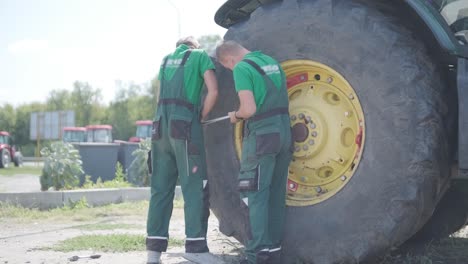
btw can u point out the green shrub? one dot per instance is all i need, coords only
(28, 150)
(79, 204)
(118, 182)
(138, 173)
(62, 167)
(119, 173)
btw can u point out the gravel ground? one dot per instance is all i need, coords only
(20, 240)
(20, 183)
(19, 243)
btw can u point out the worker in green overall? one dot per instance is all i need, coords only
(266, 148)
(178, 148)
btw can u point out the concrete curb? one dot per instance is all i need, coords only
(94, 197)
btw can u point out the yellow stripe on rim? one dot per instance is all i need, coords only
(329, 131)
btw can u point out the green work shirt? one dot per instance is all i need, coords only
(195, 67)
(247, 78)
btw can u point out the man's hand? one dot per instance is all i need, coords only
(232, 116)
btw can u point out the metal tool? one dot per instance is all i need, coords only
(76, 258)
(211, 121)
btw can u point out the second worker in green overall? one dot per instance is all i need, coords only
(178, 148)
(266, 148)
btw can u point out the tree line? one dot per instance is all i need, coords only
(132, 102)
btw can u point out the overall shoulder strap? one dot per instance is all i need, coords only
(164, 67)
(256, 67)
(186, 56)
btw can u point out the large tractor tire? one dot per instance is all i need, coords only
(451, 215)
(18, 159)
(5, 158)
(372, 152)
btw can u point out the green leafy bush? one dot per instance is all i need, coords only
(138, 173)
(62, 167)
(79, 204)
(119, 173)
(118, 182)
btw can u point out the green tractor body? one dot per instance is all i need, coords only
(378, 93)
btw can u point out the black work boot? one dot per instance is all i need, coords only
(263, 257)
(275, 257)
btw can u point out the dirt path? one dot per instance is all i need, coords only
(20, 183)
(20, 243)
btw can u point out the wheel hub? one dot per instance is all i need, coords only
(300, 132)
(328, 128)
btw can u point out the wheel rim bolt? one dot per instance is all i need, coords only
(298, 148)
(329, 80)
(314, 134)
(301, 116)
(313, 126)
(318, 189)
(293, 117)
(343, 178)
(305, 147)
(309, 119)
(311, 142)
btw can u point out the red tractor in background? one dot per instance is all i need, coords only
(143, 130)
(8, 152)
(74, 134)
(99, 133)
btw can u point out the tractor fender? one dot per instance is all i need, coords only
(440, 30)
(234, 11)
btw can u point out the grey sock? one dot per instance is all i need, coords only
(154, 257)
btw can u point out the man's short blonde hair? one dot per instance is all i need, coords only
(189, 41)
(227, 47)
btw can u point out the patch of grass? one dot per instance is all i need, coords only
(78, 211)
(119, 181)
(108, 226)
(107, 243)
(103, 243)
(105, 184)
(12, 170)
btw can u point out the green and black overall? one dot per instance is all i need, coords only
(266, 155)
(177, 152)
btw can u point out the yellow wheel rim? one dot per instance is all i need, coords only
(329, 131)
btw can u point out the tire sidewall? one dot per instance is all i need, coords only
(404, 160)
(5, 158)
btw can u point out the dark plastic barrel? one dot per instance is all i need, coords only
(99, 159)
(125, 156)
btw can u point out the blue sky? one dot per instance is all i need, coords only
(48, 44)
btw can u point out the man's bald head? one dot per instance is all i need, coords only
(189, 41)
(228, 47)
(229, 53)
